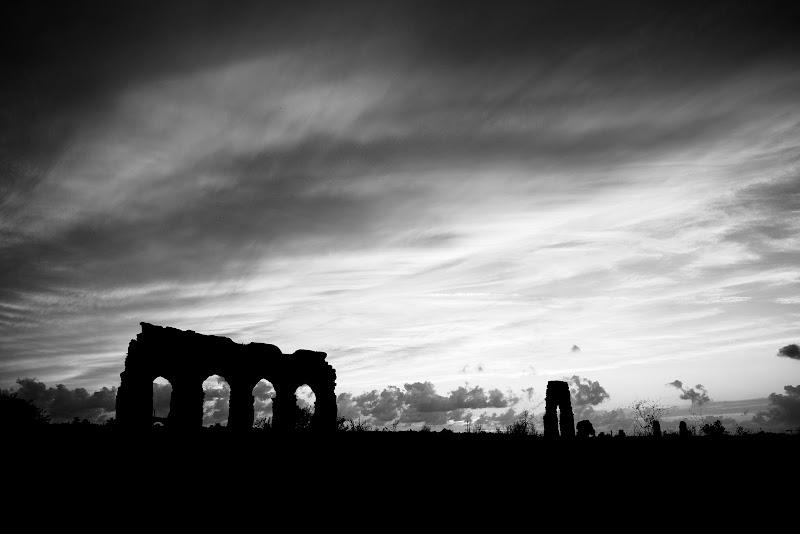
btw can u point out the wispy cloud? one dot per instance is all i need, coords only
(408, 188)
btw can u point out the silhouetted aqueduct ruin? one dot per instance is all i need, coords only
(557, 397)
(187, 359)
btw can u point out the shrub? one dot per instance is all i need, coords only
(645, 413)
(714, 430)
(17, 412)
(523, 425)
(263, 423)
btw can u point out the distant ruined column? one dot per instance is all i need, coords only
(656, 429)
(683, 430)
(557, 397)
(567, 422)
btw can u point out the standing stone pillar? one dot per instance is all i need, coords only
(325, 410)
(284, 409)
(186, 406)
(241, 411)
(550, 421)
(567, 422)
(656, 429)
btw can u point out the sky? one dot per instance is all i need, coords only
(455, 194)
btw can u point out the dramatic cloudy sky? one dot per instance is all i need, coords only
(428, 192)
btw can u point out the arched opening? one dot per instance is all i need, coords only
(558, 414)
(263, 393)
(305, 399)
(216, 398)
(162, 396)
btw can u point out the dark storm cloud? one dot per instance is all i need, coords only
(790, 351)
(64, 404)
(697, 395)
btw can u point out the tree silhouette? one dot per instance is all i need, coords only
(523, 425)
(645, 413)
(714, 430)
(17, 412)
(263, 423)
(585, 429)
(304, 416)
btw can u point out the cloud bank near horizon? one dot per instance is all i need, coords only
(413, 406)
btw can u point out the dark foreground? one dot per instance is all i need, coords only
(309, 477)
(386, 454)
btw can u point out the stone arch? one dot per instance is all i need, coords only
(305, 399)
(186, 358)
(262, 392)
(216, 400)
(305, 396)
(162, 393)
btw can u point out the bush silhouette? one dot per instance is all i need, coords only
(523, 425)
(646, 412)
(585, 429)
(17, 412)
(303, 421)
(263, 423)
(714, 430)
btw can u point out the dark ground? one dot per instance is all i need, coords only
(95, 477)
(408, 472)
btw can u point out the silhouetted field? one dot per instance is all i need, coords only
(367, 478)
(447, 453)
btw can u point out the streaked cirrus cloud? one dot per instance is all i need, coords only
(413, 188)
